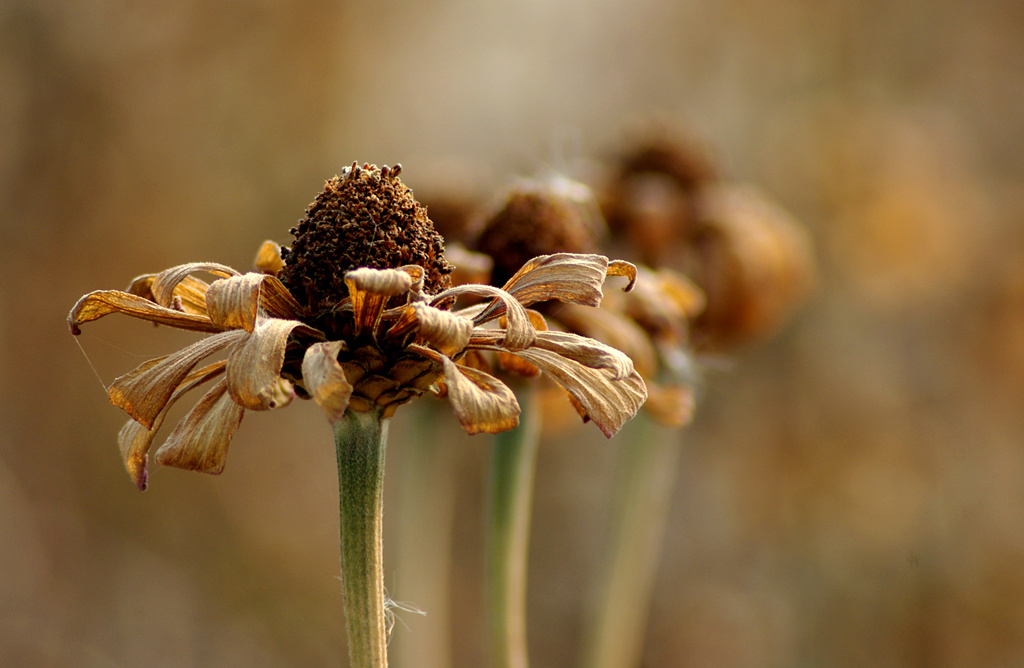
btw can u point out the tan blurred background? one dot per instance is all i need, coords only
(852, 492)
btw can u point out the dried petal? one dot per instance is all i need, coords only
(200, 441)
(617, 331)
(370, 290)
(567, 277)
(254, 367)
(606, 401)
(481, 402)
(165, 283)
(588, 352)
(520, 332)
(623, 268)
(97, 304)
(325, 380)
(188, 296)
(447, 332)
(268, 259)
(134, 439)
(144, 391)
(235, 302)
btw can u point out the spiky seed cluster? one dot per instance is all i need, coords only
(538, 219)
(364, 218)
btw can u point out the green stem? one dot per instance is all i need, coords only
(513, 456)
(615, 633)
(360, 440)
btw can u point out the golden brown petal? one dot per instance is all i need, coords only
(623, 268)
(268, 259)
(189, 295)
(235, 302)
(617, 331)
(200, 441)
(254, 367)
(370, 290)
(588, 352)
(481, 402)
(325, 380)
(608, 402)
(144, 391)
(97, 304)
(165, 283)
(134, 440)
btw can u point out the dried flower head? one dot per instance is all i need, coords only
(754, 263)
(538, 217)
(358, 316)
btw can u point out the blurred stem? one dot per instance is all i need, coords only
(360, 440)
(647, 464)
(426, 507)
(510, 498)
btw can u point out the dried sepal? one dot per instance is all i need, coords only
(144, 391)
(324, 378)
(200, 441)
(481, 402)
(95, 305)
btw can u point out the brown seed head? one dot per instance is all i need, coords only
(364, 218)
(540, 218)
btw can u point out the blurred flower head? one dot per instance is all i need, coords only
(358, 315)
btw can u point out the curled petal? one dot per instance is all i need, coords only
(268, 259)
(254, 367)
(519, 333)
(623, 268)
(200, 441)
(610, 403)
(446, 331)
(325, 379)
(97, 304)
(165, 283)
(144, 391)
(568, 277)
(586, 351)
(188, 296)
(235, 302)
(481, 402)
(370, 290)
(617, 331)
(134, 439)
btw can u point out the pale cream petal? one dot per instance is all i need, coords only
(370, 290)
(135, 440)
(254, 366)
(200, 441)
(482, 403)
(235, 303)
(268, 259)
(97, 304)
(586, 351)
(144, 391)
(608, 402)
(166, 281)
(519, 333)
(325, 380)
(568, 277)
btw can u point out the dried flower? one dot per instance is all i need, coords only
(358, 315)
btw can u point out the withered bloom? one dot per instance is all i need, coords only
(650, 324)
(358, 315)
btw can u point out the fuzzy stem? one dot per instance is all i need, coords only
(513, 456)
(360, 440)
(615, 633)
